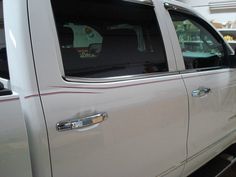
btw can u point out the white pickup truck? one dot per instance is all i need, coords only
(112, 88)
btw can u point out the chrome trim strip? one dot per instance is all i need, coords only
(143, 2)
(203, 69)
(146, 76)
(113, 87)
(118, 78)
(203, 73)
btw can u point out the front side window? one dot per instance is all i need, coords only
(200, 48)
(107, 38)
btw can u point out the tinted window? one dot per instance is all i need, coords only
(4, 73)
(200, 48)
(108, 38)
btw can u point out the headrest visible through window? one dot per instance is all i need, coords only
(66, 37)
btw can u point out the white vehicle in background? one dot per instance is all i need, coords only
(125, 88)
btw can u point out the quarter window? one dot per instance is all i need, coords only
(200, 48)
(101, 39)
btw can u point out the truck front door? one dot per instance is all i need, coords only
(211, 87)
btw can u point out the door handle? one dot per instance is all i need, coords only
(200, 92)
(81, 122)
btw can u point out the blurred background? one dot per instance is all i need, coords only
(221, 13)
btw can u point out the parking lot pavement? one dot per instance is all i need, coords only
(223, 165)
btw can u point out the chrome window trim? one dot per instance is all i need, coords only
(119, 78)
(144, 2)
(217, 68)
(140, 76)
(174, 7)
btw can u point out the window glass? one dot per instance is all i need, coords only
(108, 38)
(199, 47)
(4, 73)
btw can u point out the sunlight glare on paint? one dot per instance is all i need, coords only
(12, 38)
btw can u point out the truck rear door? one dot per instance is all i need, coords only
(113, 101)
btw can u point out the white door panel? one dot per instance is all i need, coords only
(212, 117)
(14, 149)
(144, 134)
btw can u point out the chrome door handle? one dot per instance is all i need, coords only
(81, 122)
(200, 92)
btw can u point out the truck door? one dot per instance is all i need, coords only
(211, 88)
(114, 104)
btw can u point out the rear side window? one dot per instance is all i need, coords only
(108, 38)
(4, 73)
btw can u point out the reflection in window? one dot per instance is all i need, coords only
(199, 47)
(108, 38)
